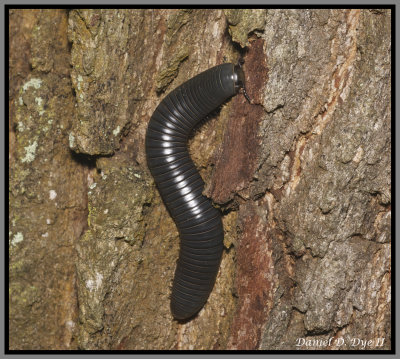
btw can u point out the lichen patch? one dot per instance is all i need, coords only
(35, 83)
(18, 237)
(30, 152)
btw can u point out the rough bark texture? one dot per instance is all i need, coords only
(48, 196)
(302, 175)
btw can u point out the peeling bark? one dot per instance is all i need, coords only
(302, 176)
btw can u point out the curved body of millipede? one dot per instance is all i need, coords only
(181, 186)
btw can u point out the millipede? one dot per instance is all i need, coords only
(180, 185)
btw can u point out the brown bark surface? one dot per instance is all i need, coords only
(301, 174)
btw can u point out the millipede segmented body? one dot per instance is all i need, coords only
(181, 186)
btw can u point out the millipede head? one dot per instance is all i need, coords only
(239, 80)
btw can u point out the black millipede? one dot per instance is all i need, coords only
(180, 184)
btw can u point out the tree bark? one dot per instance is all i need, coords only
(302, 176)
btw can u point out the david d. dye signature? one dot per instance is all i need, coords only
(356, 343)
